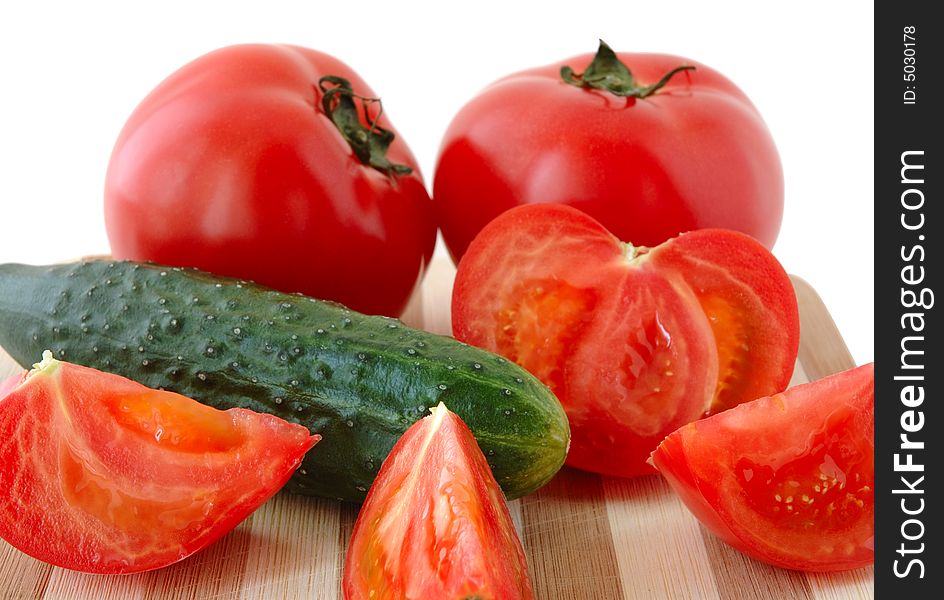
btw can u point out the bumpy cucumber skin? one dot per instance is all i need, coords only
(360, 381)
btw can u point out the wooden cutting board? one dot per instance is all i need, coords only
(586, 537)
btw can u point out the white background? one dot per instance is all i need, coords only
(71, 73)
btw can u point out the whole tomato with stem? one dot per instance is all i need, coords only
(650, 145)
(272, 163)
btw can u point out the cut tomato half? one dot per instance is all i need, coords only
(634, 341)
(435, 523)
(101, 474)
(787, 479)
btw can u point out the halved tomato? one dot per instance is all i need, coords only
(101, 474)
(435, 523)
(787, 479)
(635, 342)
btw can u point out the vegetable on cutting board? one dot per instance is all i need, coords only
(104, 475)
(634, 341)
(650, 145)
(435, 523)
(273, 163)
(359, 381)
(788, 479)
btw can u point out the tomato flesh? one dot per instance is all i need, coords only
(643, 368)
(537, 324)
(787, 479)
(435, 523)
(750, 305)
(103, 475)
(635, 342)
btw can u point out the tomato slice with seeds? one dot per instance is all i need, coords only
(750, 304)
(634, 341)
(787, 479)
(435, 523)
(101, 474)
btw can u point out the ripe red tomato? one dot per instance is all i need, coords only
(101, 474)
(647, 163)
(435, 523)
(235, 165)
(634, 341)
(787, 479)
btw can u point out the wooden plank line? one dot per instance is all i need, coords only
(349, 514)
(212, 574)
(108, 588)
(658, 546)
(822, 349)
(431, 307)
(567, 539)
(20, 575)
(294, 552)
(517, 519)
(741, 578)
(842, 586)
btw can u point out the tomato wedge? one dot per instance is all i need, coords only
(435, 523)
(635, 342)
(101, 474)
(787, 479)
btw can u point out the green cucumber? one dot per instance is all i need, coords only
(359, 381)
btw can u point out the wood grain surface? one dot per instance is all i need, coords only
(586, 537)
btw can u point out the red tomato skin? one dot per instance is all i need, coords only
(435, 523)
(230, 165)
(696, 461)
(81, 491)
(696, 154)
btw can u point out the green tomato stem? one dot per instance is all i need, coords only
(369, 144)
(608, 73)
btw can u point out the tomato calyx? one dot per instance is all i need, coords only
(608, 73)
(369, 144)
